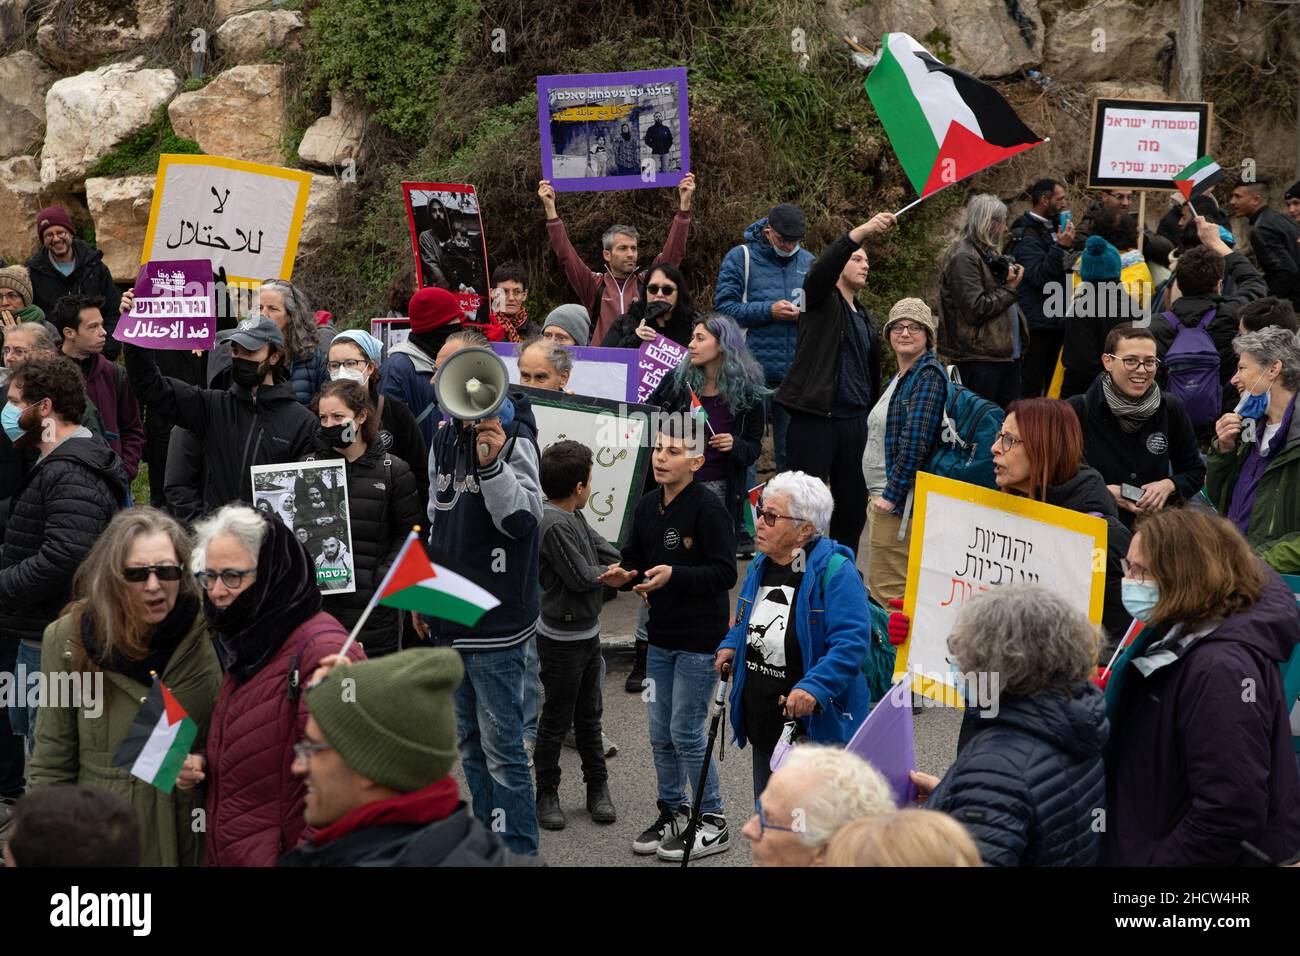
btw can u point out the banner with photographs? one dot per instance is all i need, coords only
(311, 498)
(447, 237)
(614, 130)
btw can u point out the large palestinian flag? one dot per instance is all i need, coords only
(158, 740)
(943, 123)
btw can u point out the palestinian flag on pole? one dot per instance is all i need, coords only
(943, 123)
(414, 583)
(751, 513)
(158, 740)
(697, 409)
(1199, 177)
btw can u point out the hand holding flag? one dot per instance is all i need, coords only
(158, 741)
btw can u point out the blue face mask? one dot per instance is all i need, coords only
(1139, 597)
(9, 419)
(786, 255)
(1252, 405)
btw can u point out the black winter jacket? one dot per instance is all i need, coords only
(1164, 447)
(1029, 778)
(1093, 310)
(55, 517)
(813, 382)
(1034, 246)
(460, 840)
(1087, 493)
(402, 436)
(383, 506)
(237, 428)
(90, 277)
(622, 334)
(1273, 236)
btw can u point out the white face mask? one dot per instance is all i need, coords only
(351, 375)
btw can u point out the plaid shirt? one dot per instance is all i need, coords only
(912, 426)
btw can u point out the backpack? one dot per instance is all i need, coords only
(878, 665)
(970, 425)
(1192, 366)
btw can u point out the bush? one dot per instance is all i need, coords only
(138, 154)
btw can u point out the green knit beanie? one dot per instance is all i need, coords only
(394, 724)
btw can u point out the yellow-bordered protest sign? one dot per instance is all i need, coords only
(245, 217)
(967, 539)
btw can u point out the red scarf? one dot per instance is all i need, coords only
(512, 326)
(435, 802)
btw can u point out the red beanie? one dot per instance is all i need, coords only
(433, 308)
(50, 217)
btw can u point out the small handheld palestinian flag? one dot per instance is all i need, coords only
(1200, 177)
(751, 513)
(158, 740)
(697, 410)
(943, 123)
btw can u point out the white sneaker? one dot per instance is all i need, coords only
(669, 825)
(711, 837)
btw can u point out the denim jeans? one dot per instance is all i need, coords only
(642, 621)
(571, 675)
(489, 716)
(23, 719)
(681, 688)
(12, 757)
(532, 690)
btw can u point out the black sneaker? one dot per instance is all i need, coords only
(670, 824)
(712, 836)
(549, 814)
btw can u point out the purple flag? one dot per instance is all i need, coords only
(885, 741)
(655, 360)
(173, 307)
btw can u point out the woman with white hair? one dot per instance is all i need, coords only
(1253, 473)
(1028, 781)
(817, 792)
(802, 628)
(261, 603)
(982, 329)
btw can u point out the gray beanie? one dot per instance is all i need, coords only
(572, 319)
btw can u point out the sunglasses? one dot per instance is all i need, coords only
(231, 577)
(140, 574)
(655, 289)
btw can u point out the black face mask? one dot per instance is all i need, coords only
(246, 372)
(338, 436)
(627, 135)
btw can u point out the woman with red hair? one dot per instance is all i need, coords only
(1039, 454)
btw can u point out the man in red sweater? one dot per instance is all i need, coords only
(607, 294)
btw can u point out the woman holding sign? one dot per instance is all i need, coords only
(665, 308)
(382, 507)
(1039, 454)
(135, 614)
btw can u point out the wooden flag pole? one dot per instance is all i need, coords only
(1142, 217)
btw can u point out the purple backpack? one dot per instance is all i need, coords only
(1192, 363)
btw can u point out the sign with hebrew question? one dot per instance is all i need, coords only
(1140, 144)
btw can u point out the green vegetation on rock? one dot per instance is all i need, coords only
(138, 153)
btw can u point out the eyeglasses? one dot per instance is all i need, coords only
(1133, 570)
(655, 288)
(10, 296)
(230, 577)
(1119, 197)
(510, 293)
(303, 749)
(763, 825)
(139, 574)
(17, 351)
(909, 327)
(1131, 362)
(1007, 440)
(351, 365)
(770, 517)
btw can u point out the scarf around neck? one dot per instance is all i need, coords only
(1131, 413)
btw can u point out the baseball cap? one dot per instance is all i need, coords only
(256, 331)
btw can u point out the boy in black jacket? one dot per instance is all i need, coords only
(682, 535)
(572, 559)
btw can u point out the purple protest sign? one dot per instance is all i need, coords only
(614, 130)
(885, 741)
(173, 306)
(655, 360)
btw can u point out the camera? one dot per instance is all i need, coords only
(1000, 266)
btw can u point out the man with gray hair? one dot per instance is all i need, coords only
(607, 294)
(816, 791)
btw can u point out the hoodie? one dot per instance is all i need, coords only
(771, 279)
(1201, 761)
(1029, 779)
(1087, 493)
(57, 513)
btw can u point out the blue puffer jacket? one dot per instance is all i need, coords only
(1028, 781)
(771, 279)
(834, 635)
(406, 377)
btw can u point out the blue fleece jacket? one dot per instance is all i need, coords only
(771, 278)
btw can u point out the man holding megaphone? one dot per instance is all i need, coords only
(485, 506)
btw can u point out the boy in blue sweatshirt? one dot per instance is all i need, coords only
(680, 557)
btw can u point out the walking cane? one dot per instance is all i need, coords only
(720, 706)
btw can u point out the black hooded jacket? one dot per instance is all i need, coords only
(1029, 778)
(55, 516)
(90, 277)
(238, 429)
(622, 334)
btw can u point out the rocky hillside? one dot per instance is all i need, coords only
(368, 94)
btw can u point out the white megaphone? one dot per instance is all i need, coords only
(472, 385)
